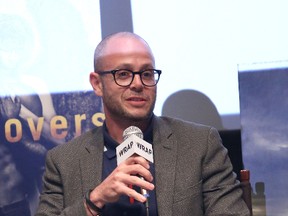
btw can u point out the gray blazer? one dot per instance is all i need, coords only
(193, 173)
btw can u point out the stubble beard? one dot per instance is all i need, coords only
(117, 111)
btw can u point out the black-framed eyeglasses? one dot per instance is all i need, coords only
(124, 77)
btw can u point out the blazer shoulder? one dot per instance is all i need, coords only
(180, 124)
(180, 129)
(79, 143)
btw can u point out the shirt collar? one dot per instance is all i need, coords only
(110, 143)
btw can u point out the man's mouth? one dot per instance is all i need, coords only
(136, 99)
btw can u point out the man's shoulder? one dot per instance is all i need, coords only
(184, 129)
(79, 143)
(180, 123)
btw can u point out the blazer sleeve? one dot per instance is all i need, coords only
(222, 194)
(52, 196)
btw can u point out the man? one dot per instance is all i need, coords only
(191, 174)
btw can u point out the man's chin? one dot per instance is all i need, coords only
(139, 117)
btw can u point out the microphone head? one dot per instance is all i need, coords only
(132, 130)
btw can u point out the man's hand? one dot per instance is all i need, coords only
(9, 108)
(117, 183)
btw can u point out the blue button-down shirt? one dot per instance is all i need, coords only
(123, 205)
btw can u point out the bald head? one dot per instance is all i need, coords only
(119, 43)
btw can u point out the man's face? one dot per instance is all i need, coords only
(135, 102)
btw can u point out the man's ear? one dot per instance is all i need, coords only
(96, 83)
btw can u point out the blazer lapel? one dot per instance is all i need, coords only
(91, 161)
(165, 149)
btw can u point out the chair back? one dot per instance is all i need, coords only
(246, 187)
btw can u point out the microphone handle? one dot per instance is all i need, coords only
(145, 193)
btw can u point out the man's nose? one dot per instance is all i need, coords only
(136, 83)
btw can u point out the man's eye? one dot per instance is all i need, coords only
(147, 74)
(123, 74)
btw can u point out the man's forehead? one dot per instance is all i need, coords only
(126, 45)
(113, 59)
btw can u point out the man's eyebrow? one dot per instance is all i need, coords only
(125, 66)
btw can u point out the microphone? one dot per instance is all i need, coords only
(134, 144)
